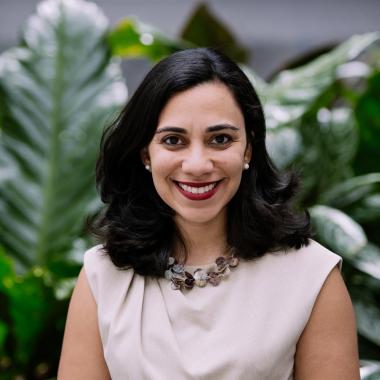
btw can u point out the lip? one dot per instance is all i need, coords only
(198, 197)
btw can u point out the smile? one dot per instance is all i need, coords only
(197, 191)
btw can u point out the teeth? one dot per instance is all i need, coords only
(197, 190)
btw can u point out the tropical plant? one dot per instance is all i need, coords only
(59, 88)
(132, 38)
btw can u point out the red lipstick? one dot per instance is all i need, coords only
(198, 197)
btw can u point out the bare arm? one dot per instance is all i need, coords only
(327, 348)
(82, 353)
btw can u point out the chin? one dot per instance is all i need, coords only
(200, 216)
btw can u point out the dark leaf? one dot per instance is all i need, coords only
(204, 29)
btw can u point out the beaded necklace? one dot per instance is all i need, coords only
(182, 279)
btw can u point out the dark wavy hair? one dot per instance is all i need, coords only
(136, 227)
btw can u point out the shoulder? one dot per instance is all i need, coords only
(82, 354)
(102, 275)
(294, 277)
(330, 335)
(317, 252)
(94, 256)
(314, 256)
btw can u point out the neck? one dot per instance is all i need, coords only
(204, 242)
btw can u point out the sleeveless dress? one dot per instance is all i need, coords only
(246, 328)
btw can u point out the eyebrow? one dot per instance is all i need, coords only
(213, 128)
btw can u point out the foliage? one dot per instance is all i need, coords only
(132, 38)
(59, 89)
(204, 29)
(322, 121)
(368, 116)
(32, 319)
(61, 86)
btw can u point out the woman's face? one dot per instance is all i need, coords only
(198, 152)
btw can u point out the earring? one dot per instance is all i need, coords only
(246, 166)
(147, 167)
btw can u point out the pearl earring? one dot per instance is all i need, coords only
(147, 167)
(246, 166)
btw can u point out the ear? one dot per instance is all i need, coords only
(248, 153)
(144, 154)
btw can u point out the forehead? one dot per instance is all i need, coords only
(207, 103)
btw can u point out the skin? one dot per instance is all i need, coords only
(82, 355)
(327, 348)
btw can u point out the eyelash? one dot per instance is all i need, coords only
(229, 139)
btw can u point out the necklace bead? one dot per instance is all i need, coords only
(182, 279)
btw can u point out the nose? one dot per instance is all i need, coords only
(197, 162)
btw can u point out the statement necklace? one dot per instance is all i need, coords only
(182, 279)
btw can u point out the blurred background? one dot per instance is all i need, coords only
(68, 66)
(273, 31)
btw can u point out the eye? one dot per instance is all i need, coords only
(171, 140)
(221, 139)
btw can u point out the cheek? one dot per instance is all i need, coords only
(160, 160)
(163, 167)
(233, 162)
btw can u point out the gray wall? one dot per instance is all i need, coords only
(275, 31)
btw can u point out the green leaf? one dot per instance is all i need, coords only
(204, 29)
(6, 271)
(368, 320)
(302, 85)
(352, 190)
(329, 140)
(337, 230)
(59, 89)
(3, 335)
(369, 370)
(368, 116)
(367, 260)
(27, 307)
(30, 304)
(313, 101)
(368, 209)
(293, 92)
(132, 38)
(284, 145)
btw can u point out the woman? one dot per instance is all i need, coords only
(204, 271)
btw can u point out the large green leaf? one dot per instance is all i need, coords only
(292, 92)
(308, 100)
(337, 230)
(59, 89)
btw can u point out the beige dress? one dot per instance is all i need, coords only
(246, 328)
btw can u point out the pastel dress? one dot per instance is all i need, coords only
(246, 328)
